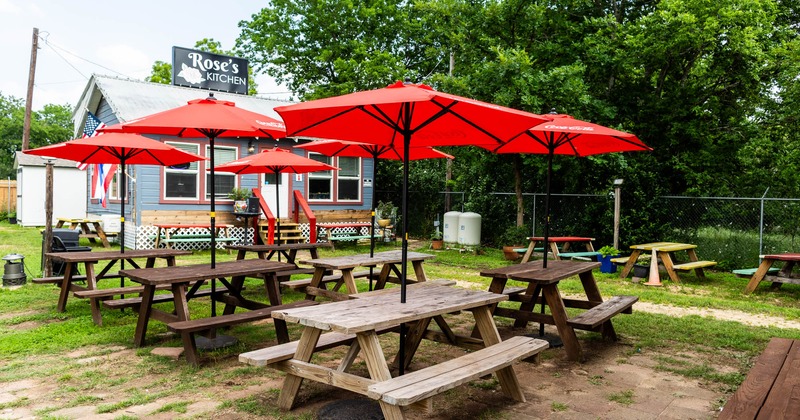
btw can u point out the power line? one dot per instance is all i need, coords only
(56, 47)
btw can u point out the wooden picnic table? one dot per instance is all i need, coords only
(73, 260)
(557, 244)
(784, 275)
(663, 251)
(545, 280)
(770, 390)
(374, 312)
(178, 278)
(169, 233)
(288, 251)
(389, 260)
(92, 233)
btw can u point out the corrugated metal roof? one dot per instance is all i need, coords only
(130, 99)
(22, 158)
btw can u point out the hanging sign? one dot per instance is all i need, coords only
(200, 69)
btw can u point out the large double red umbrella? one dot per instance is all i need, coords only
(564, 135)
(374, 151)
(406, 115)
(277, 161)
(121, 148)
(209, 118)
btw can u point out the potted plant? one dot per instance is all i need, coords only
(384, 212)
(436, 240)
(606, 254)
(12, 217)
(515, 237)
(641, 268)
(239, 197)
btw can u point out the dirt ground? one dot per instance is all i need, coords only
(617, 381)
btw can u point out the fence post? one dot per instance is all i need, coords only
(761, 227)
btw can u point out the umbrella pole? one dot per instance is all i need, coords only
(547, 208)
(401, 355)
(372, 213)
(213, 215)
(122, 219)
(278, 207)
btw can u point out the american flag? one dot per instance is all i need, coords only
(90, 130)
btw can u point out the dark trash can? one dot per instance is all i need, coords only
(64, 240)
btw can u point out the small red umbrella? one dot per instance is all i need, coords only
(374, 151)
(209, 118)
(119, 148)
(277, 161)
(409, 115)
(564, 135)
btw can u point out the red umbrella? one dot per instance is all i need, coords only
(277, 161)
(374, 151)
(118, 148)
(210, 118)
(564, 135)
(411, 115)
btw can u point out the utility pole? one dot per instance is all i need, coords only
(48, 217)
(26, 127)
(449, 172)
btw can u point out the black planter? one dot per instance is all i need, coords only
(12, 220)
(641, 271)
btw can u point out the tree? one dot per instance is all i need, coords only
(52, 124)
(321, 49)
(161, 71)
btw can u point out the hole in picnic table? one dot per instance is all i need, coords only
(356, 408)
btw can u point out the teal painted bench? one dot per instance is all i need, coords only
(586, 255)
(748, 272)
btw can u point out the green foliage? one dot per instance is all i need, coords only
(608, 251)
(238, 194)
(436, 235)
(515, 235)
(52, 124)
(385, 209)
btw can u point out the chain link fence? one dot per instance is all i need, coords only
(733, 231)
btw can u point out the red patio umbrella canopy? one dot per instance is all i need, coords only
(366, 150)
(208, 117)
(384, 116)
(277, 161)
(116, 147)
(565, 135)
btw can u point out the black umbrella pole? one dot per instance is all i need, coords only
(278, 208)
(122, 220)
(401, 355)
(372, 213)
(547, 208)
(213, 230)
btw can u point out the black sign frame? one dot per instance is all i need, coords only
(205, 70)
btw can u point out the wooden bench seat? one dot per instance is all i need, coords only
(601, 313)
(58, 279)
(197, 240)
(115, 291)
(281, 352)
(693, 265)
(585, 256)
(515, 290)
(620, 260)
(770, 390)
(748, 272)
(187, 329)
(348, 237)
(331, 278)
(416, 386)
(134, 302)
(288, 273)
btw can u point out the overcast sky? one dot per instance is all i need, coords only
(79, 38)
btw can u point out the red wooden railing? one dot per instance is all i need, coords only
(300, 203)
(270, 217)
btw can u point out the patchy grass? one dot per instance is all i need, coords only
(624, 397)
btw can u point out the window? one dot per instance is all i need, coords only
(344, 185)
(320, 183)
(115, 189)
(182, 182)
(224, 182)
(349, 179)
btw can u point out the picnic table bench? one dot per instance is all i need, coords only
(560, 247)
(770, 390)
(785, 274)
(231, 274)
(372, 312)
(175, 233)
(90, 229)
(664, 251)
